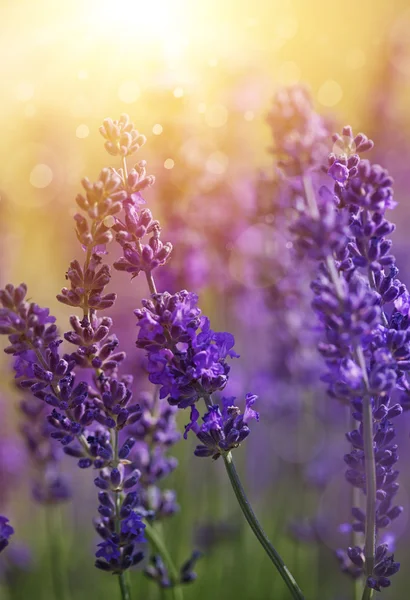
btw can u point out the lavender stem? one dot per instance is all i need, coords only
(125, 592)
(257, 528)
(57, 569)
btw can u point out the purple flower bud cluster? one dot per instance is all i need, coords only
(222, 431)
(30, 330)
(6, 531)
(122, 137)
(186, 358)
(120, 523)
(137, 256)
(366, 350)
(87, 286)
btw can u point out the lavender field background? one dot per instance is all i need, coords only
(198, 80)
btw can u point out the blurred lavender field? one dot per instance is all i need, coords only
(214, 89)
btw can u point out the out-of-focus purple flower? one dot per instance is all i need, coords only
(6, 531)
(299, 133)
(157, 570)
(155, 433)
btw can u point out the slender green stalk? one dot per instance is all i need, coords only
(58, 566)
(125, 592)
(124, 588)
(257, 529)
(157, 542)
(367, 593)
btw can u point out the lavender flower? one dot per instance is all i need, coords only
(185, 356)
(222, 431)
(6, 531)
(30, 331)
(365, 354)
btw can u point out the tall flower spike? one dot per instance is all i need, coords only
(365, 354)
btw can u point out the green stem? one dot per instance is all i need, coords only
(367, 593)
(125, 592)
(158, 544)
(258, 531)
(58, 567)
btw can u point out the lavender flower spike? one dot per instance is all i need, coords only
(366, 342)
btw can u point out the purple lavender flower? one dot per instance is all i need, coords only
(185, 356)
(32, 333)
(222, 431)
(6, 531)
(366, 348)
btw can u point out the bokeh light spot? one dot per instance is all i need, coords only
(216, 115)
(169, 163)
(202, 107)
(24, 91)
(82, 74)
(217, 163)
(129, 91)
(82, 131)
(330, 93)
(157, 129)
(41, 176)
(249, 115)
(178, 92)
(109, 221)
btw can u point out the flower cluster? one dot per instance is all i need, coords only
(365, 350)
(222, 431)
(30, 331)
(185, 356)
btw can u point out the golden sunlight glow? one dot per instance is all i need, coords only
(144, 21)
